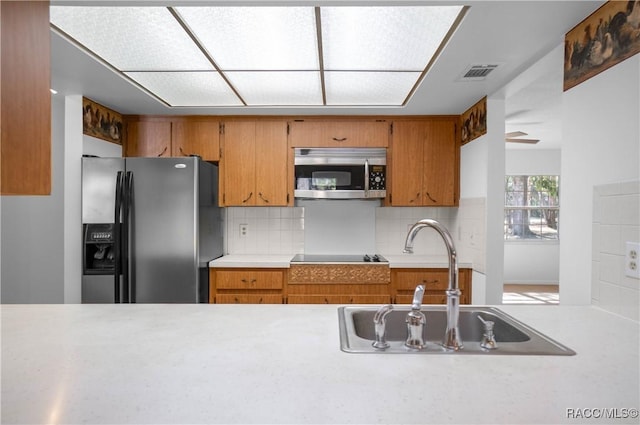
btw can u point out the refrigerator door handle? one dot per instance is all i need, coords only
(117, 238)
(128, 283)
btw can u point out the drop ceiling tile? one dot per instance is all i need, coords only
(131, 38)
(187, 88)
(383, 38)
(256, 38)
(368, 88)
(278, 88)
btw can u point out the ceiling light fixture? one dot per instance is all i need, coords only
(266, 56)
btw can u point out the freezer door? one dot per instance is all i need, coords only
(163, 228)
(98, 188)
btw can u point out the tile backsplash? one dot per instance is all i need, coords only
(347, 227)
(616, 220)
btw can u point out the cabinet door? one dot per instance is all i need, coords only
(406, 163)
(148, 138)
(338, 134)
(196, 137)
(440, 164)
(25, 162)
(239, 164)
(272, 185)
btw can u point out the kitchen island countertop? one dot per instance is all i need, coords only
(132, 364)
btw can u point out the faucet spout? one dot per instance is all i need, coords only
(452, 339)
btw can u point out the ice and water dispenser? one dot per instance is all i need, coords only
(98, 246)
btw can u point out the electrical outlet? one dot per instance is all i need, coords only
(632, 260)
(244, 230)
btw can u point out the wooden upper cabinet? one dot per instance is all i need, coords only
(255, 164)
(148, 138)
(25, 141)
(196, 137)
(239, 164)
(173, 137)
(424, 163)
(339, 134)
(272, 185)
(407, 163)
(441, 164)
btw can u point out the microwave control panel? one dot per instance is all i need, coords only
(377, 178)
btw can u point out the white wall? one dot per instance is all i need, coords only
(32, 255)
(532, 262)
(40, 240)
(601, 145)
(616, 220)
(482, 177)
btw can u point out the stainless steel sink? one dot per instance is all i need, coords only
(512, 336)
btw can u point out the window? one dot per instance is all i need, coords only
(531, 208)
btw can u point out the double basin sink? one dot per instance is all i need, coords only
(357, 332)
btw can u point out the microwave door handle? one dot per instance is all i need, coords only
(366, 178)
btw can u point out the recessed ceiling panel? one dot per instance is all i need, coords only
(187, 88)
(368, 88)
(383, 38)
(131, 38)
(277, 88)
(256, 38)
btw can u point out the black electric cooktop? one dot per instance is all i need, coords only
(332, 258)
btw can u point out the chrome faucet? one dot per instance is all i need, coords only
(380, 325)
(416, 321)
(452, 339)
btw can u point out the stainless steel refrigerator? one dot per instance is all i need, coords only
(150, 227)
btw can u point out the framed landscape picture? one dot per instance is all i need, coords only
(608, 36)
(101, 122)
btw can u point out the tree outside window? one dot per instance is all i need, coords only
(531, 208)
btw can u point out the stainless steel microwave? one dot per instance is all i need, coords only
(340, 173)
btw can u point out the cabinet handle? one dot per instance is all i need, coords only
(339, 139)
(425, 281)
(263, 198)
(237, 301)
(163, 151)
(260, 302)
(248, 197)
(184, 153)
(350, 300)
(326, 301)
(416, 198)
(432, 200)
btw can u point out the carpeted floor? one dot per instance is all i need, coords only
(530, 294)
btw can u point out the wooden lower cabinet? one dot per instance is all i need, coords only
(246, 286)
(435, 281)
(332, 284)
(338, 284)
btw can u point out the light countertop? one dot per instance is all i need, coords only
(283, 261)
(178, 364)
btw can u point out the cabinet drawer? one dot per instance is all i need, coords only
(248, 279)
(432, 280)
(337, 134)
(339, 299)
(249, 299)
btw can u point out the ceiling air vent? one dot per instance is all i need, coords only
(477, 72)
